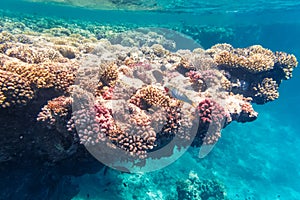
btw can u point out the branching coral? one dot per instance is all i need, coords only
(266, 91)
(108, 74)
(97, 126)
(172, 125)
(63, 74)
(56, 112)
(254, 59)
(202, 80)
(36, 68)
(240, 108)
(201, 61)
(210, 111)
(83, 122)
(150, 96)
(212, 119)
(225, 84)
(34, 74)
(14, 89)
(287, 62)
(246, 70)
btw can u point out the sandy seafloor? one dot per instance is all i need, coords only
(257, 160)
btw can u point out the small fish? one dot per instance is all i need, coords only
(175, 93)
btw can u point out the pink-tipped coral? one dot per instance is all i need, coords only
(210, 111)
(212, 119)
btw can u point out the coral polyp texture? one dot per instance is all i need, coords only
(14, 90)
(139, 99)
(33, 68)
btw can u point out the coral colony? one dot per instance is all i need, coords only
(119, 101)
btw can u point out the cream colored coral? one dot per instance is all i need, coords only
(14, 90)
(150, 95)
(255, 62)
(268, 89)
(287, 62)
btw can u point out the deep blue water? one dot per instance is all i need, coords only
(257, 160)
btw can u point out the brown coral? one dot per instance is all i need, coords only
(225, 84)
(56, 112)
(220, 47)
(108, 73)
(62, 74)
(287, 62)
(159, 50)
(34, 74)
(254, 59)
(6, 37)
(266, 91)
(14, 89)
(150, 96)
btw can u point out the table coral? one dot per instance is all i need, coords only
(246, 69)
(254, 59)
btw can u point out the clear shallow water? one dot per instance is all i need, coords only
(258, 160)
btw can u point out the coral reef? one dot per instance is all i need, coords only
(267, 90)
(14, 90)
(56, 112)
(122, 102)
(287, 62)
(34, 68)
(122, 105)
(132, 112)
(193, 188)
(254, 59)
(254, 72)
(144, 37)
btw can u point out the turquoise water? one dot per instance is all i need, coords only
(257, 160)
